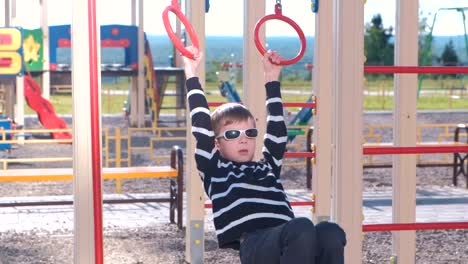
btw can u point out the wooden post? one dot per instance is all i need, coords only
(7, 13)
(133, 12)
(348, 69)
(322, 134)
(133, 80)
(194, 249)
(45, 50)
(404, 130)
(253, 81)
(86, 245)
(140, 104)
(18, 115)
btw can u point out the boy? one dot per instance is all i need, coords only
(250, 209)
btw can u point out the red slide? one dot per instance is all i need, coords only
(45, 110)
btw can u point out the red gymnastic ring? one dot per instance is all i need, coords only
(174, 8)
(278, 15)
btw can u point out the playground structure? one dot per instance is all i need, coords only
(112, 36)
(227, 81)
(174, 172)
(441, 132)
(429, 38)
(5, 124)
(346, 200)
(87, 162)
(11, 53)
(45, 110)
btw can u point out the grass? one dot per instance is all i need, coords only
(449, 95)
(435, 102)
(63, 104)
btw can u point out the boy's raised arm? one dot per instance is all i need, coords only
(276, 132)
(271, 66)
(199, 112)
(191, 65)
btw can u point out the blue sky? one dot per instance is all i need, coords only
(226, 16)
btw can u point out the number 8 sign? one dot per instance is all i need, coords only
(11, 59)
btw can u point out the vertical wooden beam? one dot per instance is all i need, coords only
(176, 56)
(348, 71)
(404, 129)
(13, 13)
(133, 12)
(7, 13)
(178, 63)
(45, 50)
(141, 90)
(19, 106)
(322, 81)
(133, 80)
(195, 12)
(253, 81)
(84, 216)
(18, 115)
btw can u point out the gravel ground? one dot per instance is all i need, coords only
(165, 244)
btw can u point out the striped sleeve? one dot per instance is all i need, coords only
(201, 125)
(274, 143)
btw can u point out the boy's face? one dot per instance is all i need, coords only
(240, 149)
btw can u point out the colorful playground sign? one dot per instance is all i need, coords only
(10, 51)
(33, 49)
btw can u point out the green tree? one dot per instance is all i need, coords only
(449, 56)
(425, 42)
(379, 49)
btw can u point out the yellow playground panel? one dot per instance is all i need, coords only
(121, 155)
(438, 134)
(174, 172)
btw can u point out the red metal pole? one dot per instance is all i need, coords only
(416, 69)
(95, 130)
(414, 226)
(303, 203)
(310, 105)
(412, 69)
(299, 155)
(215, 104)
(415, 150)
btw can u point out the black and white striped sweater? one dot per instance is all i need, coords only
(246, 196)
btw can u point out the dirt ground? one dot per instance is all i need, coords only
(165, 244)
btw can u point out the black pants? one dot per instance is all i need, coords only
(295, 242)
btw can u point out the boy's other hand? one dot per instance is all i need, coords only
(191, 65)
(271, 65)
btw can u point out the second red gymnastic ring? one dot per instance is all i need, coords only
(289, 21)
(174, 8)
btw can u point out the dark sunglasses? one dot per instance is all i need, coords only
(234, 133)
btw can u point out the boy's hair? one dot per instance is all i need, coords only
(229, 113)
